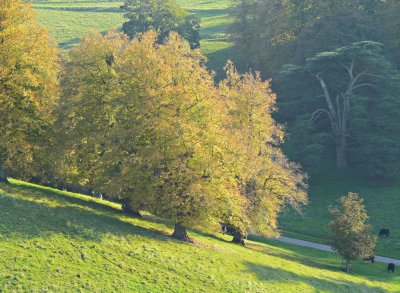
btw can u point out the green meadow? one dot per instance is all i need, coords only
(382, 204)
(54, 241)
(68, 21)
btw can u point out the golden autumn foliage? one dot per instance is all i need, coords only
(266, 180)
(28, 83)
(90, 87)
(145, 121)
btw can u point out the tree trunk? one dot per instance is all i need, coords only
(180, 233)
(341, 161)
(238, 237)
(3, 175)
(127, 208)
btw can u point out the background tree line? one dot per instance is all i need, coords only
(334, 66)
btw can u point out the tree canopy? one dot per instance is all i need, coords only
(145, 121)
(352, 237)
(266, 179)
(278, 32)
(162, 16)
(28, 85)
(341, 92)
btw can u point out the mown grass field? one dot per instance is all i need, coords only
(53, 241)
(382, 204)
(68, 21)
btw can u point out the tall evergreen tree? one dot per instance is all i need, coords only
(388, 23)
(336, 89)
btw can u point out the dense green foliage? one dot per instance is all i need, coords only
(162, 16)
(346, 94)
(320, 39)
(352, 237)
(57, 241)
(277, 32)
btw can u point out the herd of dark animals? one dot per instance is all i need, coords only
(383, 232)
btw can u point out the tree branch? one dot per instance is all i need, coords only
(318, 113)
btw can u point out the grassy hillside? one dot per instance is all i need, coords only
(57, 241)
(67, 21)
(382, 203)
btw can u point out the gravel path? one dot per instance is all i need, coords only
(328, 248)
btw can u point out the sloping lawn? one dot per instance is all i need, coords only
(57, 241)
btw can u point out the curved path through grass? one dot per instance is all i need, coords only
(329, 248)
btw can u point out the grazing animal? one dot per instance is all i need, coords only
(371, 258)
(384, 232)
(391, 267)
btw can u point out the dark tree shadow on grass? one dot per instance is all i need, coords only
(309, 257)
(61, 197)
(326, 284)
(70, 43)
(84, 9)
(27, 216)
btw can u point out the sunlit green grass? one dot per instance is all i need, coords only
(53, 241)
(382, 203)
(68, 21)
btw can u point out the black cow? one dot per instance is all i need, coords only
(384, 232)
(371, 259)
(391, 267)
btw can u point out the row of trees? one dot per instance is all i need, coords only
(144, 121)
(334, 67)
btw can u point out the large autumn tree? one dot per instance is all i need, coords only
(90, 85)
(165, 135)
(264, 179)
(28, 84)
